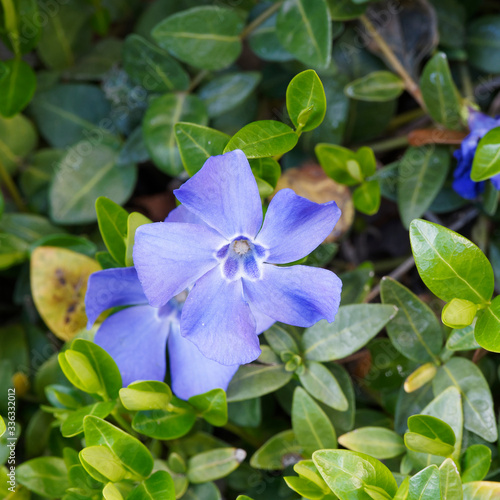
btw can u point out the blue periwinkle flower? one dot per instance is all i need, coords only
(230, 261)
(479, 125)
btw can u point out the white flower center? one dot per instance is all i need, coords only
(241, 247)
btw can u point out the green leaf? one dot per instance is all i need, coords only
(421, 376)
(267, 170)
(414, 331)
(281, 341)
(18, 138)
(3, 428)
(45, 476)
(263, 138)
(227, 91)
(152, 67)
(204, 37)
(345, 10)
(16, 88)
(305, 488)
(254, 380)
(306, 100)
(212, 405)
(214, 464)
(481, 490)
(402, 493)
(135, 220)
(73, 425)
(431, 435)
(477, 400)
(111, 492)
(483, 43)
(204, 491)
(449, 478)
(68, 113)
(146, 395)
(354, 326)
(366, 197)
(378, 86)
(274, 453)
(322, 384)
(486, 157)
(348, 472)
(421, 175)
(112, 220)
(126, 452)
(378, 442)
(158, 127)
(304, 29)
(487, 329)
(450, 265)
(197, 144)
(439, 92)
(158, 485)
(425, 485)
(312, 428)
(459, 313)
(76, 186)
(475, 463)
(13, 251)
(462, 340)
(22, 31)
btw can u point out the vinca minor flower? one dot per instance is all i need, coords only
(231, 260)
(479, 125)
(136, 337)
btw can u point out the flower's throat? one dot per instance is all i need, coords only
(241, 247)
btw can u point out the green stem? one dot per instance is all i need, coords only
(12, 188)
(389, 144)
(405, 118)
(259, 20)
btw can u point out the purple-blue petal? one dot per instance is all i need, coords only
(191, 372)
(136, 339)
(295, 226)
(262, 322)
(225, 195)
(112, 288)
(171, 256)
(182, 214)
(219, 321)
(297, 295)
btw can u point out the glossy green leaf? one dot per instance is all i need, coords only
(415, 330)
(477, 401)
(158, 485)
(254, 380)
(16, 88)
(214, 464)
(425, 485)
(306, 100)
(76, 185)
(18, 138)
(280, 340)
(378, 86)
(421, 175)
(152, 67)
(430, 435)
(263, 138)
(439, 92)
(304, 487)
(483, 42)
(449, 264)
(212, 406)
(348, 472)
(402, 493)
(158, 127)
(312, 428)
(345, 10)
(462, 340)
(274, 453)
(197, 144)
(304, 29)
(322, 384)
(354, 326)
(366, 197)
(112, 220)
(449, 478)
(475, 463)
(204, 37)
(111, 492)
(146, 395)
(486, 157)
(68, 113)
(127, 452)
(378, 442)
(73, 425)
(458, 313)
(45, 476)
(481, 490)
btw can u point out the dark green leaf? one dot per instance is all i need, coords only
(483, 43)
(18, 138)
(275, 453)
(377, 86)
(475, 463)
(344, 10)
(16, 88)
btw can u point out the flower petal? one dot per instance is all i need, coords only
(262, 321)
(170, 257)
(182, 214)
(191, 372)
(297, 295)
(136, 339)
(217, 319)
(224, 194)
(295, 226)
(112, 288)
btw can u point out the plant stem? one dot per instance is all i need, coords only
(260, 19)
(405, 118)
(389, 144)
(12, 188)
(410, 84)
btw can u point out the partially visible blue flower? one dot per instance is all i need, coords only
(479, 125)
(230, 260)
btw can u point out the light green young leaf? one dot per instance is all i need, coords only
(146, 395)
(425, 485)
(212, 405)
(214, 464)
(487, 329)
(378, 442)
(449, 478)
(45, 476)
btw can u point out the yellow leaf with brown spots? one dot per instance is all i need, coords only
(58, 284)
